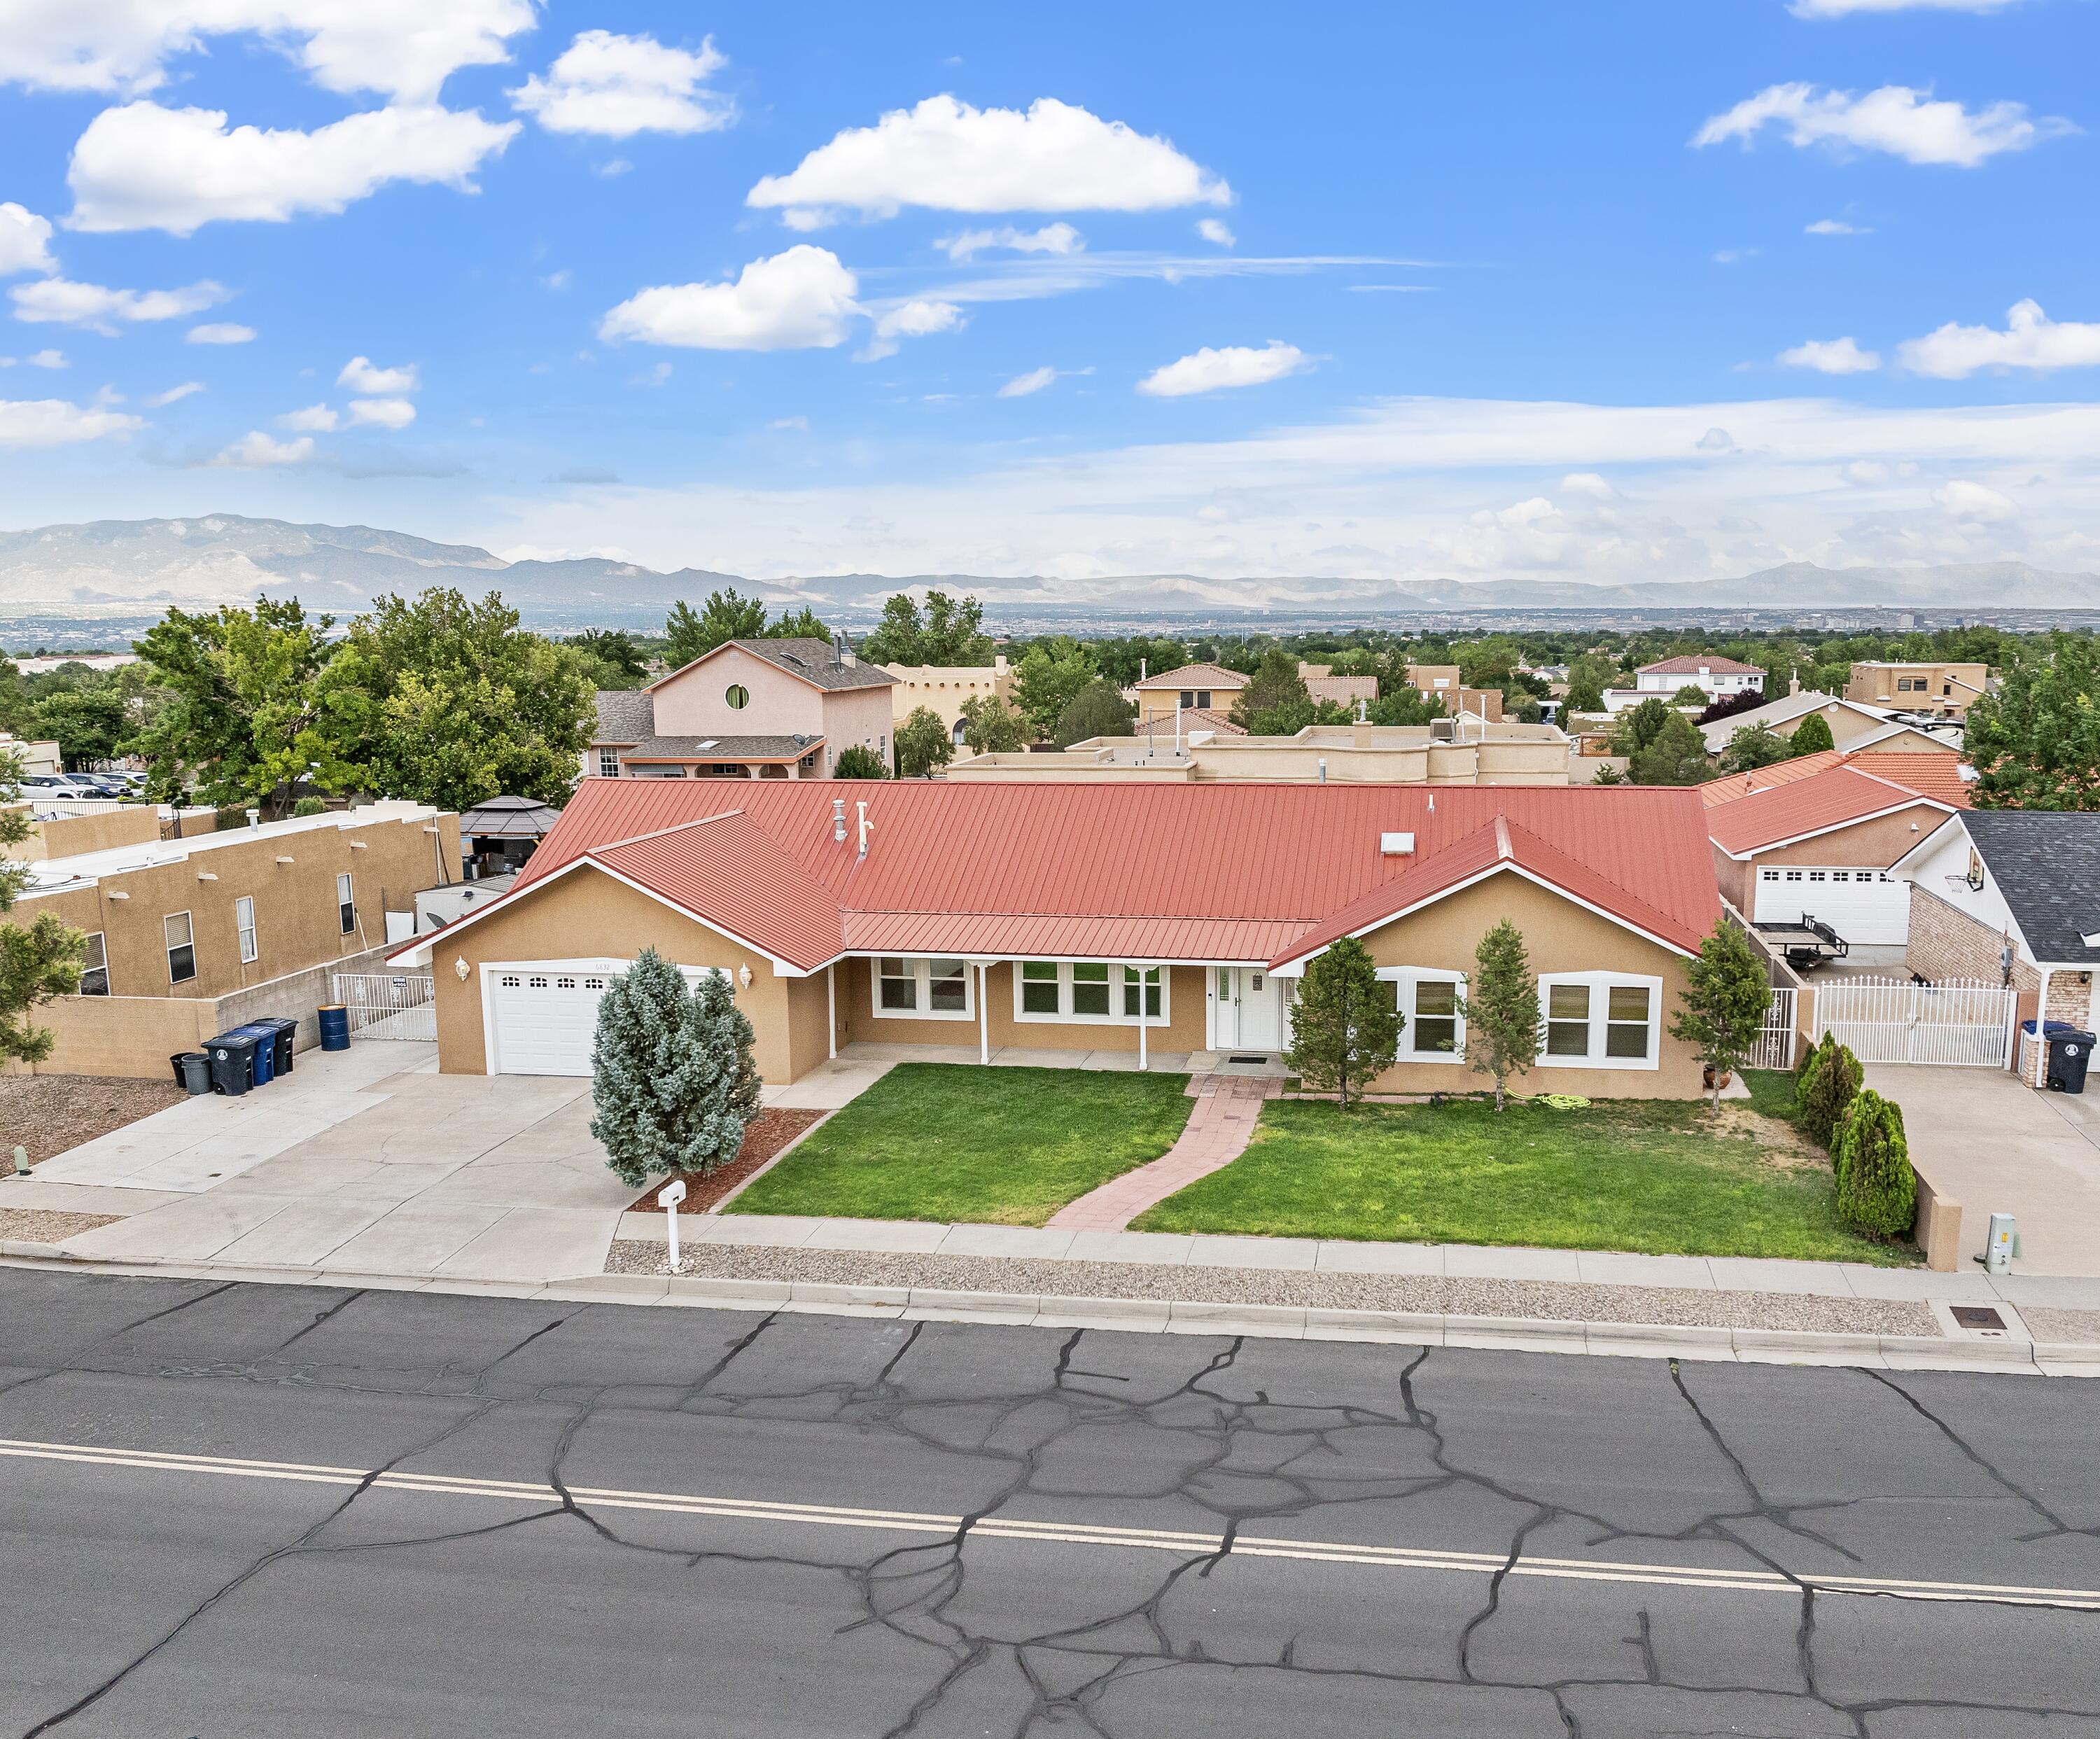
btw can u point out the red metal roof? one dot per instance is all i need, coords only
(1829, 798)
(1735, 785)
(1931, 773)
(1191, 873)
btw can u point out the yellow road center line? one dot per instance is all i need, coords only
(1059, 1532)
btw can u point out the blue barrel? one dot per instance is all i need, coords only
(335, 1027)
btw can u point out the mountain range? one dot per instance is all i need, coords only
(108, 568)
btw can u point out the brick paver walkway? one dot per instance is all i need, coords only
(1217, 1133)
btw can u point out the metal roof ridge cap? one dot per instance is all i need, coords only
(679, 827)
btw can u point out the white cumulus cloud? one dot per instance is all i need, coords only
(1052, 238)
(255, 450)
(1834, 227)
(947, 155)
(918, 318)
(1206, 370)
(800, 299)
(385, 413)
(2031, 340)
(1034, 381)
(615, 87)
(1847, 8)
(174, 395)
(1896, 119)
(406, 48)
(141, 166)
(1963, 499)
(318, 417)
(1832, 356)
(360, 376)
(220, 332)
(53, 423)
(1216, 230)
(64, 303)
(25, 241)
(47, 360)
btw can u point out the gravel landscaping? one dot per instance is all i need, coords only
(48, 1114)
(2061, 1327)
(41, 1225)
(1428, 1295)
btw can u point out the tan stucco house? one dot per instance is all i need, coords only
(944, 690)
(1946, 691)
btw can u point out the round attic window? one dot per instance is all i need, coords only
(738, 696)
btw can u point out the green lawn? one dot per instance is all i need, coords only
(1771, 1092)
(992, 1146)
(1641, 1175)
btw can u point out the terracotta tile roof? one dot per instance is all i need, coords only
(1691, 663)
(1345, 690)
(1133, 872)
(1735, 785)
(1931, 773)
(1193, 718)
(1827, 799)
(1197, 676)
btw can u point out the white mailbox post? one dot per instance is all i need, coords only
(667, 1198)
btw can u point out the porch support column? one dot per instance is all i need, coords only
(831, 1008)
(1142, 1065)
(983, 1017)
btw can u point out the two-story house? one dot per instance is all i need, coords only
(1945, 690)
(1716, 678)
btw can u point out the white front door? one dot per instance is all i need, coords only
(1249, 1009)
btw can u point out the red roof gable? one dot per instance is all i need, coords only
(1827, 799)
(1131, 872)
(1931, 773)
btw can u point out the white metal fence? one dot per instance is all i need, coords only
(1775, 1040)
(388, 1005)
(1966, 1023)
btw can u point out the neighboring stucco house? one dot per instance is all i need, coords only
(1718, 678)
(1853, 725)
(187, 938)
(2012, 896)
(1205, 687)
(944, 690)
(1946, 691)
(781, 708)
(1823, 846)
(1160, 920)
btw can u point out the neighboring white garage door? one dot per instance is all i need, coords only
(1868, 907)
(542, 1020)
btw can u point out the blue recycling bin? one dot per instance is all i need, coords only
(335, 1027)
(265, 1052)
(284, 1030)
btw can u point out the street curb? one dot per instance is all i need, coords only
(1158, 1316)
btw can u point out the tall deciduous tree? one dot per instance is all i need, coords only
(672, 1076)
(246, 715)
(2035, 743)
(1051, 674)
(444, 701)
(993, 726)
(615, 648)
(797, 625)
(727, 615)
(1500, 1008)
(948, 631)
(923, 743)
(1724, 1000)
(1345, 1030)
(38, 960)
(1751, 746)
(1640, 725)
(1677, 757)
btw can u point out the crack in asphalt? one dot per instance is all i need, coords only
(1218, 1444)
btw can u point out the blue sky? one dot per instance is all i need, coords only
(1380, 292)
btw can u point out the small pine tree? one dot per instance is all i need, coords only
(1876, 1189)
(1725, 1001)
(671, 1073)
(1811, 734)
(1824, 1092)
(1345, 1027)
(1500, 1008)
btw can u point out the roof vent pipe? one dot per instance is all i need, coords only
(1323, 770)
(255, 818)
(867, 827)
(838, 821)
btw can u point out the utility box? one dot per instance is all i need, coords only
(1999, 1245)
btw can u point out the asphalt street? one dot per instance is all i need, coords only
(236, 1509)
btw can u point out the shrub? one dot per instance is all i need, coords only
(1812, 736)
(857, 763)
(232, 816)
(309, 807)
(1876, 1189)
(1825, 1091)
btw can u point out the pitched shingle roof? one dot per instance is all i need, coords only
(722, 748)
(625, 715)
(2046, 864)
(810, 659)
(1344, 690)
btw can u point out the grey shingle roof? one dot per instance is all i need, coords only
(2047, 866)
(722, 748)
(625, 715)
(811, 659)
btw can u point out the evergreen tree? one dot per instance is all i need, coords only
(1877, 1188)
(1500, 1008)
(858, 761)
(1677, 757)
(1345, 1028)
(1823, 1093)
(1097, 710)
(38, 961)
(1751, 746)
(1274, 697)
(671, 1073)
(1810, 736)
(1724, 1002)
(923, 743)
(1640, 725)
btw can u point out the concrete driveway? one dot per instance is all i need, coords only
(1998, 1147)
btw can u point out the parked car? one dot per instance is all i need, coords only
(58, 785)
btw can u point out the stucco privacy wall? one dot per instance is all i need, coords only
(1560, 935)
(1874, 845)
(588, 914)
(65, 835)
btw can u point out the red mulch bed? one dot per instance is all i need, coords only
(763, 1137)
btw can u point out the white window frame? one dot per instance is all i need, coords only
(608, 763)
(921, 971)
(345, 903)
(1600, 986)
(94, 961)
(170, 944)
(1121, 978)
(244, 925)
(1403, 979)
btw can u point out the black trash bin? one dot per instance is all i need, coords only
(193, 1071)
(2069, 1052)
(283, 1032)
(232, 1057)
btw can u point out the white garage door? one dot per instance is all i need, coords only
(542, 1020)
(1866, 906)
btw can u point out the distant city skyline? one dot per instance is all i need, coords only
(1622, 293)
